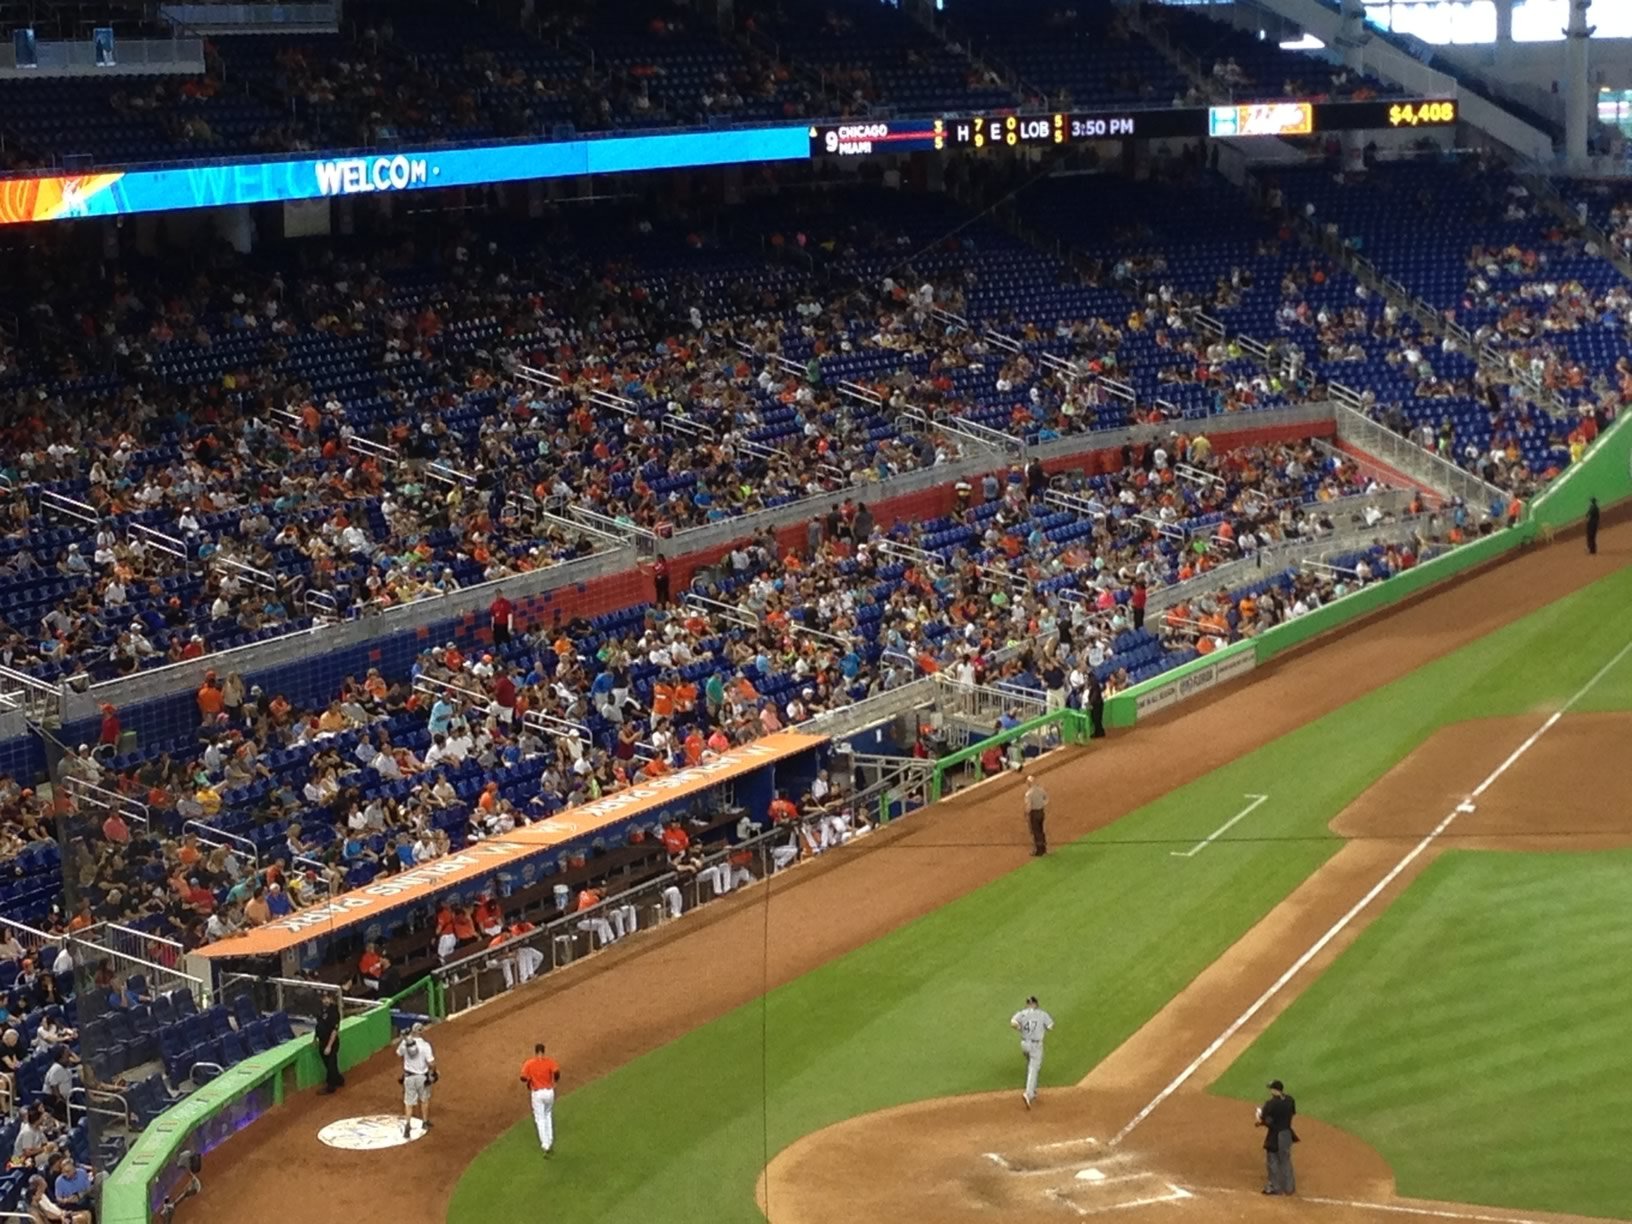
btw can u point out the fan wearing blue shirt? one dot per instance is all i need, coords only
(441, 716)
(73, 1184)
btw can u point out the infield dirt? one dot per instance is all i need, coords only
(623, 1003)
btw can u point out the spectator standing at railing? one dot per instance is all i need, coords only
(501, 614)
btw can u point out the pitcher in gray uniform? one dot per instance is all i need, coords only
(1032, 1023)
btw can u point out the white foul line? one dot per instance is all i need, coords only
(1337, 928)
(1222, 829)
(1437, 1213)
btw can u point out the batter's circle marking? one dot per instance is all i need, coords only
(369, 1134)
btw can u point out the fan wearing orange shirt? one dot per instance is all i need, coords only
(541, 1074)
(782, 810)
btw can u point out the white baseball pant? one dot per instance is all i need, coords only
(521, 964)
(1033, 1052)
(784, 856)
(599, 928)
(624, 920)
(718, 876)
(673, 901)
(544, 1116)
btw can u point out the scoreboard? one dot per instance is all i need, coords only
(1278, 117)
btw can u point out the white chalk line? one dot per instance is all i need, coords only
(1222, 829)
(1337, 928)
(1174, 1194)
(1065, 1143)
(1437, 1213)
(1061, 1164)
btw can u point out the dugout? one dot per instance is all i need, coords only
(612, 842)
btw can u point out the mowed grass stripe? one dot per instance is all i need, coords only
(1106, 930)
(1477, 1034)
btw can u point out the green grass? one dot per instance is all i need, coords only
(1106, 931)
(1477, 1034)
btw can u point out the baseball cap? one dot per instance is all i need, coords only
(1277, 1086)
(1031, 1000)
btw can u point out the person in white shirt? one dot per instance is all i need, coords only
(64, 962)
(52, 1032)
(59, 1083)
(33, 1144)
(219, 926)
(418, 1074)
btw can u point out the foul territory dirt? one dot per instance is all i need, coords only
(652, 990)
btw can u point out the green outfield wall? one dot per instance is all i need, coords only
(231, 1101)
(1605, 472)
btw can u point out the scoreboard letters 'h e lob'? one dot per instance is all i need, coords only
(1279, 117)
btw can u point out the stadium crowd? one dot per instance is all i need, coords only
(1024, 575)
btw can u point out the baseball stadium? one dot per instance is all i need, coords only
(815, 611)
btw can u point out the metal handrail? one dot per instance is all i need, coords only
(112, 800)
(1447, 477)
(212, 836)
(567, 923)
(68, 507)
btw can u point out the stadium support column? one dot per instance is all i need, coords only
(1577, 93)
(1352, 36)
(1504, 26)
(1352, 41)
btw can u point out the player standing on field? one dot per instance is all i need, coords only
(1032, 1022)
(541, 1074)
(418, 1074)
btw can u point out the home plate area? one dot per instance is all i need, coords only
(1081, 1178)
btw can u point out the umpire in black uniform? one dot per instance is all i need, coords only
(327, 1037)
(1275, 1116)
(1592, 526)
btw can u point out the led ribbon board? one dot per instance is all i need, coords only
(115, 193)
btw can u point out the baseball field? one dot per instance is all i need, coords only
(1391, 870)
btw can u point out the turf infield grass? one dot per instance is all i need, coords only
(1106, 930)
(1476, 1034)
